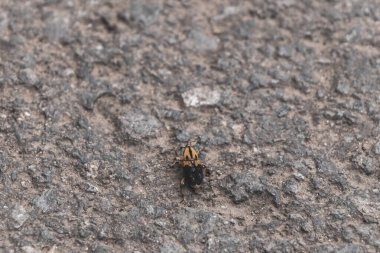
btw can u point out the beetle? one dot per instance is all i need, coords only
(193, 169)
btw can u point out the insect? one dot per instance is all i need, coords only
(193, 169)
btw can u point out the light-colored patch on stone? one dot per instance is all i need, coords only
(197, 40)
(201, 96)
(19, 215)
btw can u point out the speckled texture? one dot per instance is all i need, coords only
(96, 99)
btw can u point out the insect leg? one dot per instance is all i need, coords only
(176, 159)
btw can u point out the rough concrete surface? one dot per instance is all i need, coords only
(97, 97)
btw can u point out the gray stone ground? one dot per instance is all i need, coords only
(97, 96)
